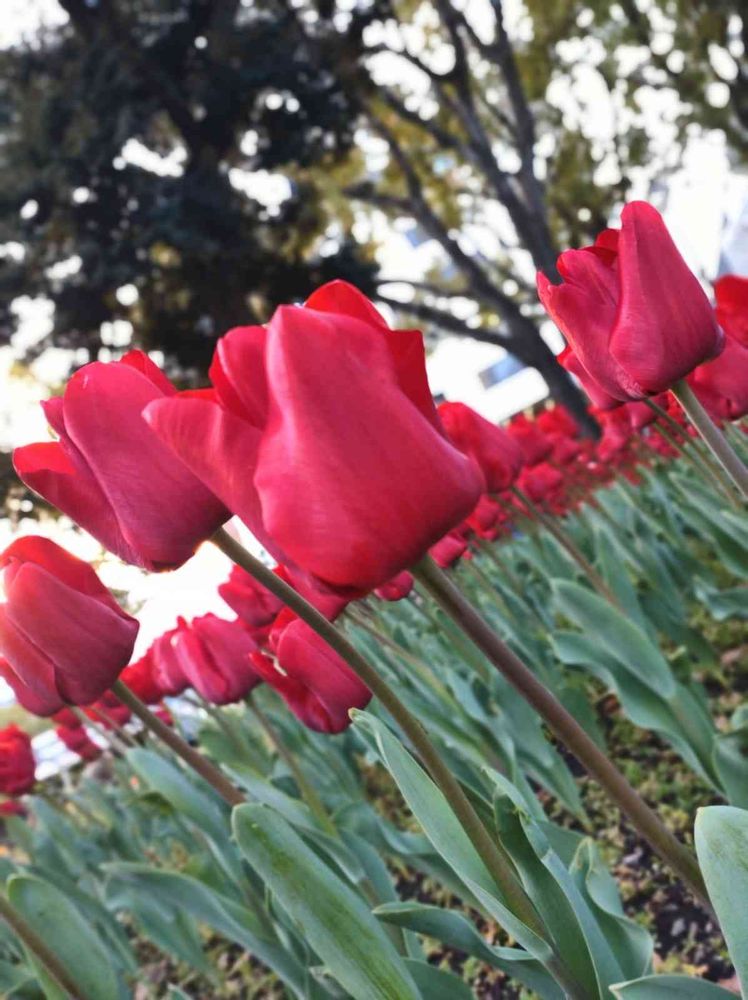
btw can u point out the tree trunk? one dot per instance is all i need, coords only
(533, 351)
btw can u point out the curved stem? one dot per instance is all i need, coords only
(712, 435)
(193, 758)
(41, 951)
(494, 858)
(563, 724)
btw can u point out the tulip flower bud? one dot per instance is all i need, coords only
(214, 658)
(397, 588)
(78, 741)
(534, 445)
(731, 293)
(315, 682)
(635, 316)
(141, 679)
(17, 764)
(497, 453)
(61, 631)
(110, 473)
(252, 602)
(324, 439)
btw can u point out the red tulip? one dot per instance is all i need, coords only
(140, 677)
(485, 516)
(534, 445)
(17, 764)
(731, 293)
(317, 685)
(214, 657)
(165, 665)
(322, 436)
(397, 588)
(542, 483)
(497, 453)
(61, 631)
(42, 705)
(78, 741)
(66, 717)
(109, 711)
(722, 384)
(111, 474)
(448, 550)
(252, 602)
(557, 420)
(634, 314)
(617, 432)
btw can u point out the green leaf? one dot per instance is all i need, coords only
(456, 931)
(61, 926)
(670, 988)
(441, 826)
(618, 637)
(437, 984)
(206, 906)
(332, 919)
(721, 836)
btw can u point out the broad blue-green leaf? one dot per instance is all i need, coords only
(617, 636)
(436, 984)
(60, 925)
(250, 929)
(721, 835)
(333, 919)
(456, 931)
(670, 988)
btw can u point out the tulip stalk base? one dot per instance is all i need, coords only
(193, 758)
(712, 435)
(563, 724)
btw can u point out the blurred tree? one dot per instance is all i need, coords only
(509, 136)
(157, 169)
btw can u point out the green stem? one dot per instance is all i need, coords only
(706, 467)
(494, 857)
(193, 758)
(307, 790)
(571, 547)
(563, 724)
(41, 951)
(712, 435)
(109, 736)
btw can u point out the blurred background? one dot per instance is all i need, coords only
(172, 168)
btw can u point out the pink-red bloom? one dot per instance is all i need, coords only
(633, 313)
(449, 549)
(495, 451)
(322, 436)
(397, 588)
(165, 665)
(317, 685)
(214, 658)
(112, 475)
(722, 385)
(79, 742)
(17, 764)
(109, 711)
(534, 445)
(140, 677)
(252, 602)
(42, 705)
(61, 631)
(731, 293)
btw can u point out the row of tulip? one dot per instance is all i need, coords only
(426, 561)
